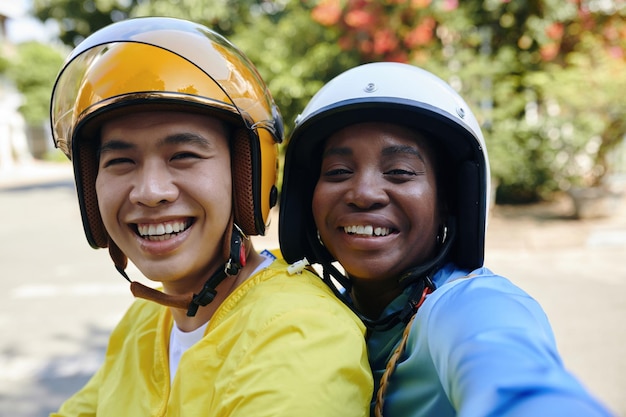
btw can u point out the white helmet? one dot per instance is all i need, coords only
(409, 96)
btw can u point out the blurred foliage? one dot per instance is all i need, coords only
(79, 18)
(294, 54)
(544, 77)
(583, 116)
(523, 67)
(4, 64)
(33, 70)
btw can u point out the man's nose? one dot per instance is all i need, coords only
(153, 185)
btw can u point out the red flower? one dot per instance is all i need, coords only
(327, 12)
(420, 35)
(359, 19)
(384, 41)
(555, 31)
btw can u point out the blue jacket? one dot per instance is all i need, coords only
(478, 347)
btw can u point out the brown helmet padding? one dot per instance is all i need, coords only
(87, 171)
(243, 190)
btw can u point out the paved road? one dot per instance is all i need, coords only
(59, 298)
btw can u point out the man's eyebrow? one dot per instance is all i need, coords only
(187, 138)
(406, 149)
(176, 139)
(114, 145)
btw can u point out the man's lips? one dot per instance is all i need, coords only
(162, 230)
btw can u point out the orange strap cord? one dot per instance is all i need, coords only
(391, 364)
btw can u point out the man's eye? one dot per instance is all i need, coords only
(185, 155)
(116, 161)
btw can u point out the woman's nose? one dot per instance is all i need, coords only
(153, 185)
(367, 191)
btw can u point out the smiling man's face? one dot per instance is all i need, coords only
(165, 193)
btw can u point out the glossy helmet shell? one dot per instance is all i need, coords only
(167, 64)
(396, 93)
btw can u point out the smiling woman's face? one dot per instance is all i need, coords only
(375, 203)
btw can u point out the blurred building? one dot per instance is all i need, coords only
(14, 149)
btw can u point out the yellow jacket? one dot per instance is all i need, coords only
(279, 345)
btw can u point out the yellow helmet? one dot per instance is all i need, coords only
(166, 63)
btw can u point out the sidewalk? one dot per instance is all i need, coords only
(36, 173)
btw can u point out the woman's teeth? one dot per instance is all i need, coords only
(367, 230)
(161, 231)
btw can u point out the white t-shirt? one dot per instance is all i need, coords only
(181, 341)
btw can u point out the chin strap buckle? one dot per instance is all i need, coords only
(206, 295)
(237, 257)
(236, 261)
(417, 298)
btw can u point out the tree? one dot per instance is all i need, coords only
(507, 58)
(33, 71)
(78, 19)
(293, 53)
(494, 52)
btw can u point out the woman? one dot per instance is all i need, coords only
(387, 173)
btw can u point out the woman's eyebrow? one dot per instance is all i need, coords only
(341, 151)
(405, 149)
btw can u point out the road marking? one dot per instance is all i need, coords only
(49, 291)
(607, 238)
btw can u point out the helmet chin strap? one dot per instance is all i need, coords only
(236, 261)
(419, 275)
(235, 253)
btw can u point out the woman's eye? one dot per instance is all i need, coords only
(401, 172)
(336, 172)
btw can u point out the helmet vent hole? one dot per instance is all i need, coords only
(370, 88)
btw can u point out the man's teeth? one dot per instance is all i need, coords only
(367, 230)
(161, 231)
